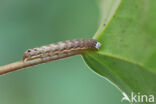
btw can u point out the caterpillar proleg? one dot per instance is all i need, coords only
(61, 50)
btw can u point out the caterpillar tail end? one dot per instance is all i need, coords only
(98, 45)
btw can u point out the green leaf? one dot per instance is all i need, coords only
(128, 53)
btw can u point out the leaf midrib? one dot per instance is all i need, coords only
(125, 60)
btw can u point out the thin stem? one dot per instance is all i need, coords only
(21, 64)
(18, 65)
(62, 50)
(13, 66)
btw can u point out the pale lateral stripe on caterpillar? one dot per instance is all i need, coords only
(60, 50)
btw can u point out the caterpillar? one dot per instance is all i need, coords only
(61, 50)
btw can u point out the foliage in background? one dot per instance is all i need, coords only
(128, 53)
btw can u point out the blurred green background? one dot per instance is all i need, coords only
(31, 23)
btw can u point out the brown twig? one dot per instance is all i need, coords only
(42, 55)
(21, 64)
(12, 67)
(18, 65)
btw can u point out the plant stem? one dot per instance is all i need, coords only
(16, 66)
(22, 64)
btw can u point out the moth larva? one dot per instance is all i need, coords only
(61, 50)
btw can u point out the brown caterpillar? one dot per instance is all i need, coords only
(60, 50)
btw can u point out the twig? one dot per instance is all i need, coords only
(21, 64)
(12, 67)
(52, 52)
